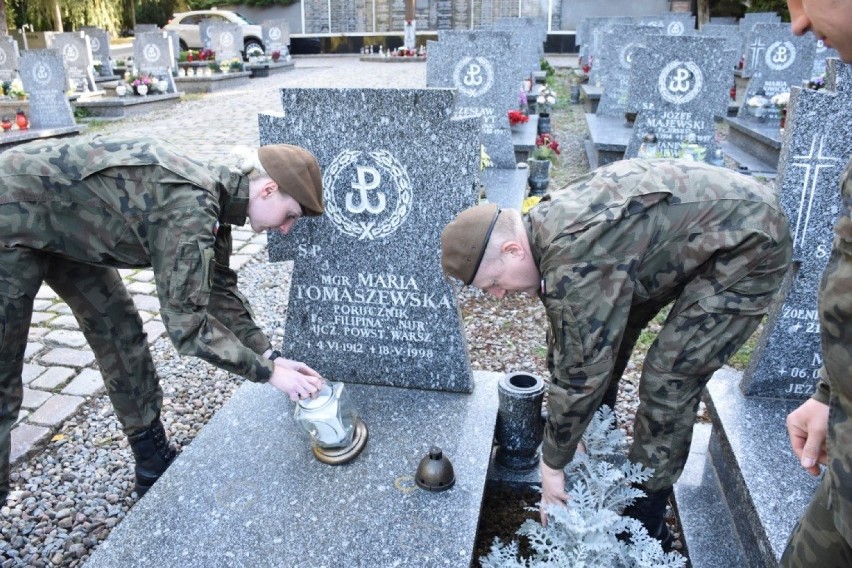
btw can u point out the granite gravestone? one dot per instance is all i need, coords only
(784, 61)
(670, 23)
(8, 58)
(732, 37)
(822, 54)
(528, 39)
(368, 302)
(76, 53)
(817, 143)
(43, 77)
(613, 68)
(482, 68)
(226, 41)
(838, 75)
(596, 29)
(99, 40)
(677, 86)
(276, 37)
(152, 55)
(204, 32)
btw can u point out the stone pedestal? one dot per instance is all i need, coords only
(507, 188)
(212, 83)
(591, 97)
(608, 139)
(116, 108)
(742, 480)
(523, 138)
(248, 492)
(755, 146)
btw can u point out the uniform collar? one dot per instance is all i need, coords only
(234, 201)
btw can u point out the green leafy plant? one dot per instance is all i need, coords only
(591, 531)
(546, 148)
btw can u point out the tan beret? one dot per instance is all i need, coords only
(463, 241)
(297, 174)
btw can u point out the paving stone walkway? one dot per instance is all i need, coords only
(60, 373)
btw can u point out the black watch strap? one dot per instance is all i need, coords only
(275, 355)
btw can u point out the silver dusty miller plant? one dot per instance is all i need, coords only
(585, 534)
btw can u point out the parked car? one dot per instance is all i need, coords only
(186, 24)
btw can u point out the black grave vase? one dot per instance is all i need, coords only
(520, 427)
(539, 176)
(544, 123)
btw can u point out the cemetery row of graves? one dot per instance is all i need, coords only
(76, 77)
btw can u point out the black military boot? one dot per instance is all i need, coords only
(153, 455)
(651, 512)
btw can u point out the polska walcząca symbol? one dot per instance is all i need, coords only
(71, 52)
(96, 44)
(367, 194)
(152, 53)
(275, 34)
(780, 55)
(680, 82)
(227, 39)
(41, 73)
(473, 76)
(625, 58)
(675, 29)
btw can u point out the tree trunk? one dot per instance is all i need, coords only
(57, 16)
(3, 29)
(130, 9)
(703, 12)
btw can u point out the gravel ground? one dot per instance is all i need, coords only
(68, 497)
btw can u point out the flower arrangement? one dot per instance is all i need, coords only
(140, 84)
(545, 100)
(546, 148)
(817, 83)
(780, 100)
(13, 89)
(522, 99)
(517, 117)
(484, 158)
(276, 55)
(254, 51)
(756, 101)
(231, 65)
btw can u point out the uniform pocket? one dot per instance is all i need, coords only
(733, 303)
(192, 275)
(13, 334)
(564, 338)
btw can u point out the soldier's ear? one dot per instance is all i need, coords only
(512, 248)
(269, 188)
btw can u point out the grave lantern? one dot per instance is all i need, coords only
(337, 432)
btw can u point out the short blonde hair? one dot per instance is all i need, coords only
(244, 161)
(509, 227)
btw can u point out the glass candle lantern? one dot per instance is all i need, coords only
(335, 429)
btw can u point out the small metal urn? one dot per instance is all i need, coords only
(435, 472)
(519, 425)
(331, 421)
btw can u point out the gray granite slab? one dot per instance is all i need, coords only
(776, 60)
(76, 51)
(9, 55)
(765, 487)
(226, 40)
(276, 37)
(613, 68)
(153, 54)
(821, 54)
(43, 77)
(608, 139)
(590, 46)
(248, 492)
(816, 146)
(838, 75)
(733, 39)
(678, 84)
(529, 36)
(368, 297)
(760, 142)
(505, 187)
(487, 76)
(99, 40)
(705, 520)
(670, 23)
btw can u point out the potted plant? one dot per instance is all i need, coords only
(544, 104)
(254, 53)
(574, 86)
(16, 89)
(780, 102)
(276, 55)
(517, 117)
(542, 158)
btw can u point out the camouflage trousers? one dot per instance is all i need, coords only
(106, 315)
(815, 540)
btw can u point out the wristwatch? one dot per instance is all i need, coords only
(275, 355)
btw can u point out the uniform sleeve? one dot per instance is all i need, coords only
(587, 303)
(227, 304)
(183, 259)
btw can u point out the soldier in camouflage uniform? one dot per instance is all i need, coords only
(73, 211)
(605, 254)
(823, 537)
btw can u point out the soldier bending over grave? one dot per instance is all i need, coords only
(73, 211)
(605, 254)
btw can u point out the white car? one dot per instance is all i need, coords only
(186, 25)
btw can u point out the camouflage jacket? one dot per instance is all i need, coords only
(835, 386)
(630, 232)
(139, 202)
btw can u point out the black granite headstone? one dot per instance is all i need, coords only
(483, 69)
(43, 76)
(8, 58)
(677, 87)
(817, 145)
(368, 301)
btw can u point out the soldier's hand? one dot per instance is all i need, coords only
(295, 379)
(808, 427)
(552, 490)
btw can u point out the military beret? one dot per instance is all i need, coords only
(463, 241)
(297, 174)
